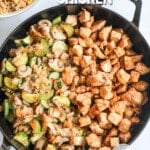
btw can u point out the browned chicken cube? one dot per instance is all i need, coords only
(125, 125)
(122, 88)
(89, 23)
(140, 86)
(115, 35)
(122, 76)
(125, 137)
(105, 148)
(86, 61)
(76, 60)
(134, 76)
(98, 52)
(77, 50)
(110, 47)
(72, 19)
(98, 25)
(114, 141)
(95, 128)
(104, 33)
(106, 65)
(85, 32)
(24, 111)
(119, 51)
(82, 42)
(130, 52)
(115, 118)
(73, 41)
(84, 16)
(137, 58)
(128, 112)
(102, 104)
(93, 140)
(66, 147)
(93, 111)
(113, 132)
(84, 121)
(128, 62)
(142, 68)
(106, 92)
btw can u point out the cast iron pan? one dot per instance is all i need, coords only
(139, 45)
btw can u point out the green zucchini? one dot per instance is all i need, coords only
(36, 126)
(54, 75)
(56, 20)
(32, 61)
(68, 28)
(6, 108)
(30, 98)
(45, 103)
(59, 47)
(36, 137)
(9, 67)
(59, 83)
(47, 95)
(62, 100)
(1, 80)
(22, 138)
(50, 147)
(43, 50)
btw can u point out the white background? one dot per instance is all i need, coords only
(125, 8)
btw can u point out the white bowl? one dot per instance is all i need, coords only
(13, 13)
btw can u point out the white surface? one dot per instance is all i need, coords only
(124, 7)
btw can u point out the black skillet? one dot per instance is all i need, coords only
(139, 45)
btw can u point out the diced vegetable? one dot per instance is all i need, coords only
(59, 47)
(68, 28)
(36, 126)
(6, 108)
(47, 96)
(62, 100)
(36, 137)
(1, 79)
(32, 61)
(25, 41)
(12, 83)
(62, 118)
(59, 83)
(81, 133)
(50, 147)
(45, 103)
(10, 67)
(43, 50)
(11, 117)
(54, 75)
(56, 20)
(22, 60)
(30, 98)
(22, 138)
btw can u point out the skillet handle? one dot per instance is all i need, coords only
(137, 13)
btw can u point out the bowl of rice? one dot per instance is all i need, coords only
(9, 8)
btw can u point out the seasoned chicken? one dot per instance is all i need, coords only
(135, 75)
(104, 33)
(106, 66)
(85, 32)
(84, 121)
(140, 86)
(114, 141)
(115, 118)
(84, 16)
(142, 68)
(98, 25)
(72, 19)
(102, 104)
(125, 125)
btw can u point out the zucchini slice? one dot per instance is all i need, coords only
(36, 126)
(56, 20)
(1, 79)
(68, 28)
(47, 96)
(9, 67)
(32, 61)
(30, 98)
(43, 50)
(59, 47)
(45, 103)
(54, 75)
(50, 147)
(62, 100)
(6, 108)
(36, 137)
(22, 138)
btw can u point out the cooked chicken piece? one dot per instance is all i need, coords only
(115, 36)
(124, 125)
(119, 107)
(93, 68)
(89, 42)
(93, 111)
(95, 90)
(95, 128)
(122, 76)
(24, 71)
(115, 118)
(88, 51)
(125, 137)
(114, 141)
(133, 96)
(73, 41)
(57, 33)
(102, 104)
(105, 148)
(128, 62)
(84, 16)
(106, 92)
(128, 112)
(140, 86)
(110, 47)
(103, 120)
(142, 68)
(89, 23)
(86, 61)
(119, 51)
(145, 97)
(113, 132)
(98, 25)
(81, 89)
(85, 32)
(134, 76)
(135, 120)
(98, 79)
(68, 75)
(72, 19)
(76, 60)
(77, 50)
(84, 102)
(67, 147)
(84, 121)
(94, 36)
(137, 58)
(104, 33)
(98, 52)
(125, 42)
(17, 101)
(106, 65)
(86, 71)
(24, 111)
(122, 88)
(93, 140)
(82, 42)
(130, 52)
(115, 68)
